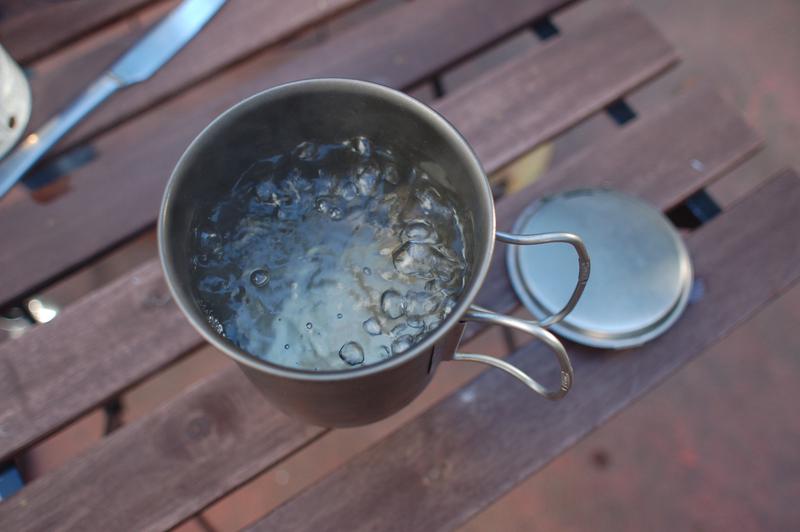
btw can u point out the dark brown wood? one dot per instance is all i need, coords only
(188, 452)
(136, 158)
(141, 330)
(618, 49)
(454, 460)
(239, 29)
(30, 28)
(103, 344)
(113, 493)
(658, 164)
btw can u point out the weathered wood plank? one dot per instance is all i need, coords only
(239, 29)
(656, 164)
(136, 158)
(112, 491)
(29, 28)
(94, 349)
(142, 329)
(186, 453)
(618, 49)
(396, 45)
(464, 453)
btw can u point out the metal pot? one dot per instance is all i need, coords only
(277, 120)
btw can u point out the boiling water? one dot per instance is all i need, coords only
(332, 257)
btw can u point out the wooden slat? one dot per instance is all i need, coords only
(67, 367)
(639, 156)
(143, 328)
(182, 451)
(619, 48)
(135, 160)
(30, 28)
(464, 453)
(239, 29)
(112, 493)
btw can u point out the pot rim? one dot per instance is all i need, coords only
(183, 298)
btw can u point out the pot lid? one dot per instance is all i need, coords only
(641, 273)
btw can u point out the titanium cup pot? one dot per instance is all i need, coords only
(330, 110)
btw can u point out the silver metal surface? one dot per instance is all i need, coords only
(641, 272)
(328, 110)
(139, 63)
(15, 102)
(164, 40)
(479, 314)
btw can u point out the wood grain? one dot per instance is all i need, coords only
(118, 193)
(30, 28)
(393, 40)
(658, 164)
(186, 453)
(454, 460)
(107, 341)
(141, 330)
(114, 493)
(239, 29)
(618, 49)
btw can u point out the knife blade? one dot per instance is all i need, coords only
(137, 64)
(164, 40)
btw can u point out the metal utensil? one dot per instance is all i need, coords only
(138, 64)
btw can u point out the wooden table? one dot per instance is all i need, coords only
(463, 453)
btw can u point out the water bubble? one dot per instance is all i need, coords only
(286, 346)
(200, 260)
(296, 182)
(352, 353)
(215, 324)
(209, 241)
(323, 204)
(420, 304)
(362, 146)
(418, 231)
(336, 213)
(392, 304)
(398, 329)
(417, 259)
(402, 344)
(366, 270)
(347, 190)
(415, 323)
(432, 323)
(266, 191)
(390, 174)
(309, 325)
(372, 327)
(306, 151)
(324, 183)
(214, 284)
(367, 179)
(429, 199)
(260, 277)
(239, 295)
(448, 305)
(340, 315)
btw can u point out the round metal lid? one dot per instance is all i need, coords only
(641, 273)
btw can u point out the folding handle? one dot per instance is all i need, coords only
(583, 265)
(479, 314)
